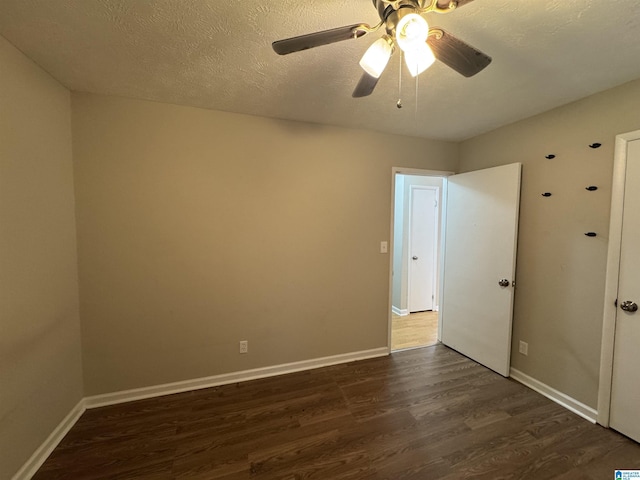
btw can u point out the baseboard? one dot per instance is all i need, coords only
(560, 398)
(399, 311)
(36, 460)
(223, 379)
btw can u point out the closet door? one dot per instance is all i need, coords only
(625, 387)
(423, 242)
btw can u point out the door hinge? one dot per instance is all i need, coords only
(615, 304)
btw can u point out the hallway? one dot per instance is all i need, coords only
(415, 330)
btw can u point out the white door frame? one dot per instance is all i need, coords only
(418, 172)
(434, 260)
(612, 274)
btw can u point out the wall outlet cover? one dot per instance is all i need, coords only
(524, 348)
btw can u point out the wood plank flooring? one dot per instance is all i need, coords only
(424, 414)
(418, 329)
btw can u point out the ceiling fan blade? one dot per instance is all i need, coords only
(325, 37)
(455, 53)
(365, 86)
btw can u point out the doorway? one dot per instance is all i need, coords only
(619, 390)
(416, 258)
(476, 261)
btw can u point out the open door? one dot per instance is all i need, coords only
(479, 262)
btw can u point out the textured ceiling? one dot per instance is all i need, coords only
(217, 54)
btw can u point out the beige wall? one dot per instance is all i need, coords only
(560, 272)
(198, 229)
(40, 356)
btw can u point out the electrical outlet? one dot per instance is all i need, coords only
(524, 348)
(244, 346)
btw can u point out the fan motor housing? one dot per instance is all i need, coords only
(390, 14)
(386, 7)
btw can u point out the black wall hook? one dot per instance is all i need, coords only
(551, 156)
(590, 234)
(595, 145)
(592, 188)
(546, 194)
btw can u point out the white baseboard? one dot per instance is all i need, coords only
(560, 398)
(226, 378)
(399, 311)
(36, 460)
(404, 312)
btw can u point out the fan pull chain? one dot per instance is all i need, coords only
(399, 103)
(416, 105)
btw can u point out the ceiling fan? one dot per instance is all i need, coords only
(406, 29)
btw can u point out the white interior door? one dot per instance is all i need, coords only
(625, 387)
(423, 225)
(480, 251)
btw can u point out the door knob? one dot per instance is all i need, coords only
(504, 282)
(414, 257)
(629, 306)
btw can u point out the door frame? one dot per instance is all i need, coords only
(423, 173)
(436, 233)
(612, 275)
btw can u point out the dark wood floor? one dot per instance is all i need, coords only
(422, 414)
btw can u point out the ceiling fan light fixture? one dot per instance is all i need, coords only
(419, 59)
(375, 59)
(412, 30)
